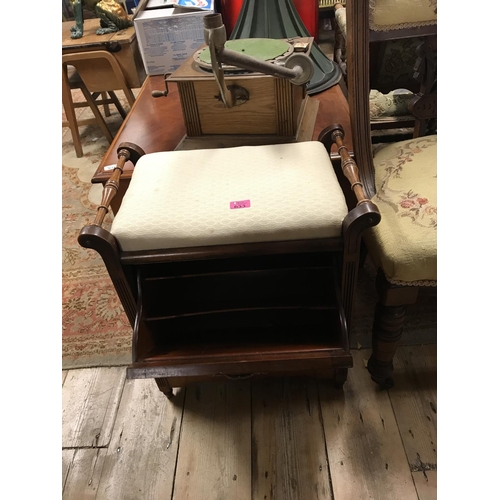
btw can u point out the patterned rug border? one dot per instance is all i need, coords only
(97, 361)
(95, 329)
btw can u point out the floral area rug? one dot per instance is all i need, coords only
(95, 330)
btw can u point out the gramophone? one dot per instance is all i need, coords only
(245, 91)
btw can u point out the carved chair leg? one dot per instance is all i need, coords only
(165, 387)
(386, 334)
(388, 328)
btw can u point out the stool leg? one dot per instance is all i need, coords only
(117, 103)
(67, 100)
(165, 387)
(97, 114)
(107, 112)
(129, 95)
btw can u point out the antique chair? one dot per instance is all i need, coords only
(97, 74)
(237, 262)
(388, 20)
(69, 83)
(397, 29)
(401, 179)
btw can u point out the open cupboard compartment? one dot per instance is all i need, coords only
(239, 317)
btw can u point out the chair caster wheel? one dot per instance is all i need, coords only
(386, 383)
(381, 375)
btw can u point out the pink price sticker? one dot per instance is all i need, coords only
(239, 204)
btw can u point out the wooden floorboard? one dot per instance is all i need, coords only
(67, 459)
(84, 474)
(141, 457)
(214, 453)
(288, 447)
(253, 440)
(365, 451)
(426, 484)
(414, 401)
(90, 399)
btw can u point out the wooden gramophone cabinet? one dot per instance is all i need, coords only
(273, 110)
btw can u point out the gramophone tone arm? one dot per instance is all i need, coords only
(298, 68)
(226, 95)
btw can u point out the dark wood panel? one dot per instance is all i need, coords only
(219, 321)
(237, 251)
(239, 290)
(245, 362)
(311, 260)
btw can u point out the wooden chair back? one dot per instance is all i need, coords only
(423, 106)
(100, 72)
(69, 105)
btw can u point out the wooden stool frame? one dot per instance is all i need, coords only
(242, 310)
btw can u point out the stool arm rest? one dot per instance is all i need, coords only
(126, 151)
(335, 134)
(104, 243)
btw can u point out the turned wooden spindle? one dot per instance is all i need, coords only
(126, 151)
(349, 167)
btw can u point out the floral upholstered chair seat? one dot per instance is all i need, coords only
(404, 244)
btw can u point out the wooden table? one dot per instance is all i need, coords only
(122, 44)
(156, 124)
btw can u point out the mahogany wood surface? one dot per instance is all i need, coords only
(156, 124)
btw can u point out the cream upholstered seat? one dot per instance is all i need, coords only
(187, 198)
(404, 243)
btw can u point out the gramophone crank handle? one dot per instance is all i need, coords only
(159, 93)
